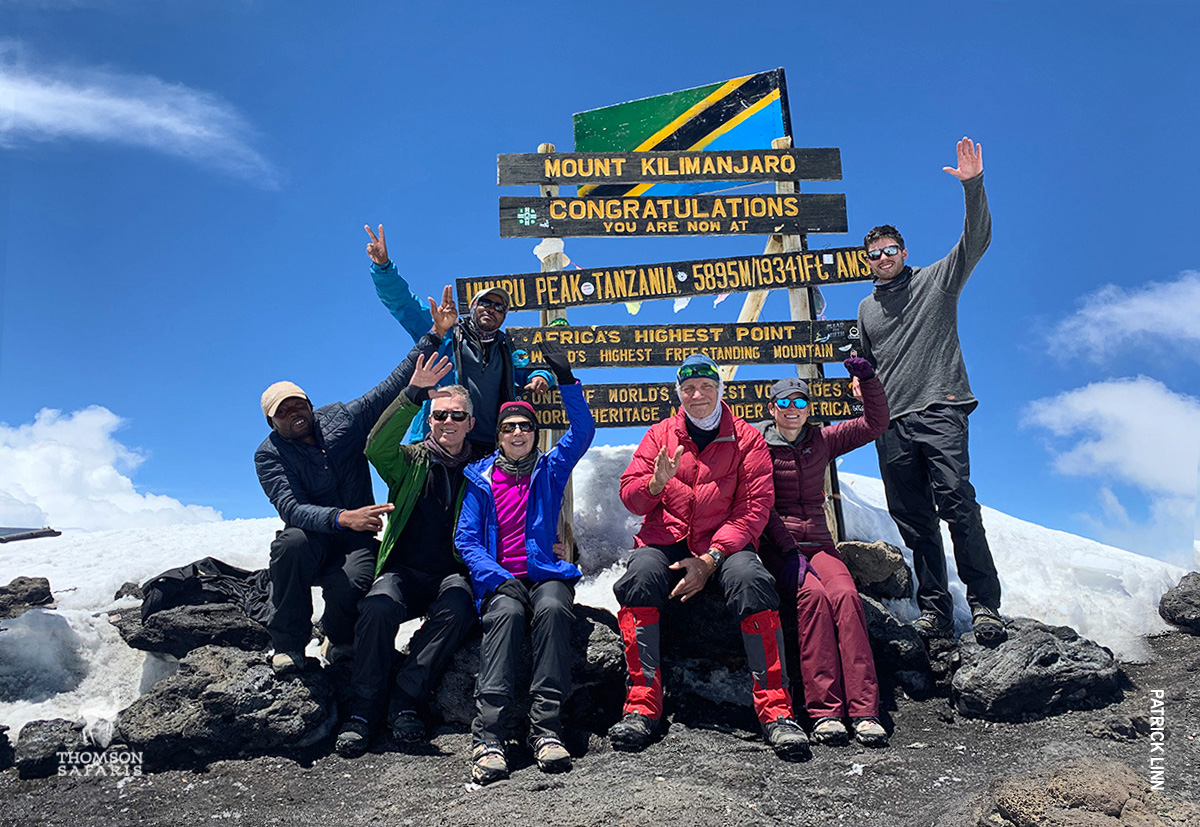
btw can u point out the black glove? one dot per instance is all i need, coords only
(860, 367)
(556, 357)
(517, 590)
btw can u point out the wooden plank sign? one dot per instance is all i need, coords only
(743, 113)
(794, 213)
(757, 343)
(640, 406)
(674, 279)
(581, 168)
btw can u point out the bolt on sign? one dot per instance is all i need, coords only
(754, 343)
(674, 279)
(743, 113)
(764, 214)
(581, 168)
(639, 406)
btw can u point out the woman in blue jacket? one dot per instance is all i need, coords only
(506, 534)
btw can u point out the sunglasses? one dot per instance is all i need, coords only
(497, 306)
(698, 372)
(524, 426)
(457, 416)
(889, 251)
(787, 402)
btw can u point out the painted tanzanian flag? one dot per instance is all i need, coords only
(743, 113)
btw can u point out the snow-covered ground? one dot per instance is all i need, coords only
(71, 663)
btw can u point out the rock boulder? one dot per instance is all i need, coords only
(41, 741)
(182, 629)
(23, 594)
(878, 569)
(1181, 605)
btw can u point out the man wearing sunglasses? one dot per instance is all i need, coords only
(701, 481)
(909, 330)
(479, 351)
(417, 572)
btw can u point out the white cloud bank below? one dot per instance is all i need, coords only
(70, 471)
(57, 103)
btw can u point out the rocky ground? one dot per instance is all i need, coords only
(942, 769)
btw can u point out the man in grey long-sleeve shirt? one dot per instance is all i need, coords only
(909, 330)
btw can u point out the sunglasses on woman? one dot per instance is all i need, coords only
(457, 416)
(799, 402)
(524, 426)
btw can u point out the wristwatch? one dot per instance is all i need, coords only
(717, 558)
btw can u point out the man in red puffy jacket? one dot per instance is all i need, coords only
(702, 482)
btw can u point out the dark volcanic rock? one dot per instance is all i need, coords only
(226, 703)
(23, 594)
(129, 589)
(40, 743)
(1039, 670)
(878, 569)
(1081, 792)
(597, 673)
(899, 652)
(182, 629)
(7, 755)
(1181, 605)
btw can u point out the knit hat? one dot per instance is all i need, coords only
(515, 409)
(787, 387)
(698, 366)
(273, 396)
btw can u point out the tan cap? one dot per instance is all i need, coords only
(499, 291)
(273, 396)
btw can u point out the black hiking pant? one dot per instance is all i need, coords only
(341, 564)
(397, 596)
(925, 468)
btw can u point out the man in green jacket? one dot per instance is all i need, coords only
(417, 572)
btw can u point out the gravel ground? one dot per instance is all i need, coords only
(937, 764)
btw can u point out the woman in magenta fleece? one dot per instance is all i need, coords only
(506, 534)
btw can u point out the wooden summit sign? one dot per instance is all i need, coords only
(674, 279)
(582, 168)
(755, 343)
(640, 406)
(788, 214)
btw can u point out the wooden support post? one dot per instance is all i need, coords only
(547, 437)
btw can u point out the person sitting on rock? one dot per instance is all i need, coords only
(701, 480)
(479, 349)
(506, 535)
(417, 572)
(836, 664)
(312, 469)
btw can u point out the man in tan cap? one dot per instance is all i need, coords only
(313, 470)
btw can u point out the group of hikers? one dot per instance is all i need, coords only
(470, 526)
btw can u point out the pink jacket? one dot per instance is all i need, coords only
(718, 498)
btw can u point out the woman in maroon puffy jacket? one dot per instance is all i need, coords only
(836, 665)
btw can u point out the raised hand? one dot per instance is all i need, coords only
(665, 468)
(444, 315)
(429, 370)
(560, 364)
(377, 249)
(369, 518)
(538, 384)
(970, 160)
(859, 367)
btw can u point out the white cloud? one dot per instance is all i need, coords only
(1133, 432)
(58, 103)
(1155, 316)
(69, 471)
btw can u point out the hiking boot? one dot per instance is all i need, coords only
(633, 733)
(488, 764)
(353, 738)
(933, 625)
(407, 727)
(989, 628)
(287, 664)
(869, 732)
(334, 653)
(551, 755)
(786, 737)
(831, 732)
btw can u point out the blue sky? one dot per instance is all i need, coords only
(184, 188)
